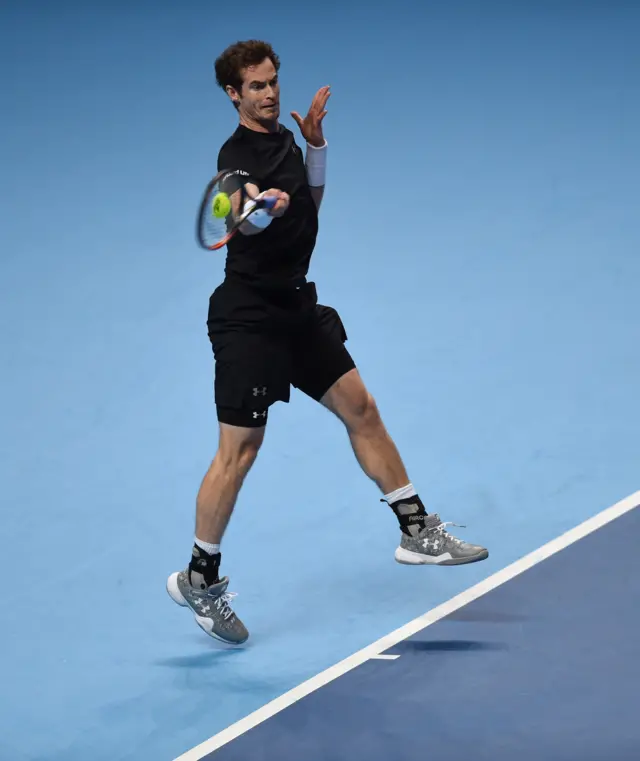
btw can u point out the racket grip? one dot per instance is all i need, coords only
(268, 201)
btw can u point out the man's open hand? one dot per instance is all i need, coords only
(311, 125)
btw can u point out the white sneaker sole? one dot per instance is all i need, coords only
(407, 557)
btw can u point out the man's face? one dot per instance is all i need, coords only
(259, 98)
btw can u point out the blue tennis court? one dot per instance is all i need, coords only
(491, 305)
(540, 661)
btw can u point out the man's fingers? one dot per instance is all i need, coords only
(280, 208)
(281, 205)
(318, 105)
(322, 96)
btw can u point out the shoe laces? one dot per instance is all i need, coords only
(441, 529)
(222, 604)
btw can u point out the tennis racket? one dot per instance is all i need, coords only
(223, 209)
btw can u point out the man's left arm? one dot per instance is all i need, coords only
(316, 156)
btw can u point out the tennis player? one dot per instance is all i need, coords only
(268, 333)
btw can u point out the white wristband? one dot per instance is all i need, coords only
(260, 218)
(316, 164)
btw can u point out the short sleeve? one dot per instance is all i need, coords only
(229, 157)
(234, 158)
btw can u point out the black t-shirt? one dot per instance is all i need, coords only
(280, 254)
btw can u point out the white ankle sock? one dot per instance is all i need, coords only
(404, 492)
(210, 549)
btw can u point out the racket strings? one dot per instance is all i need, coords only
(214, 228)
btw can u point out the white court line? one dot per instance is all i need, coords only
(408, 630)
(384, 657)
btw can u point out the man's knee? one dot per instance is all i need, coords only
(359, 405)
(238, 447)
(350, 400)
(364, 412)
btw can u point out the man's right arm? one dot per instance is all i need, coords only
(239, 200)
(242, 189)
(261, 219)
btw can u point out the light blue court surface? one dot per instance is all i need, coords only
(498, 329)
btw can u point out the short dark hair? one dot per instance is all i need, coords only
(239, 56)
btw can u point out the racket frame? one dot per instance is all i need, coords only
(266, 202)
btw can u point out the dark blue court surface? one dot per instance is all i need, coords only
(544, 666)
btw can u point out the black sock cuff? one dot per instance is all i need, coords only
(415, 500)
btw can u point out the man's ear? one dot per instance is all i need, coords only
(234, 95)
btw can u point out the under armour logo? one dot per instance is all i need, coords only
(256, 415)
(260, 391)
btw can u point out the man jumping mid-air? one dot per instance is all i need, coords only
(268, 332)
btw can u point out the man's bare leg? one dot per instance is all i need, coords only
(423, 540)
(237, 451)
(199, 586)
(374, 449)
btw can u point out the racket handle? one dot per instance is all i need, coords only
(268, 202)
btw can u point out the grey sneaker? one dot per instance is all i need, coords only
(432, 545)
(210, 607)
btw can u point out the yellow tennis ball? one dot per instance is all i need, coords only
(221, 205)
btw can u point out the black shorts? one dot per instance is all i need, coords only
(264, 342)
